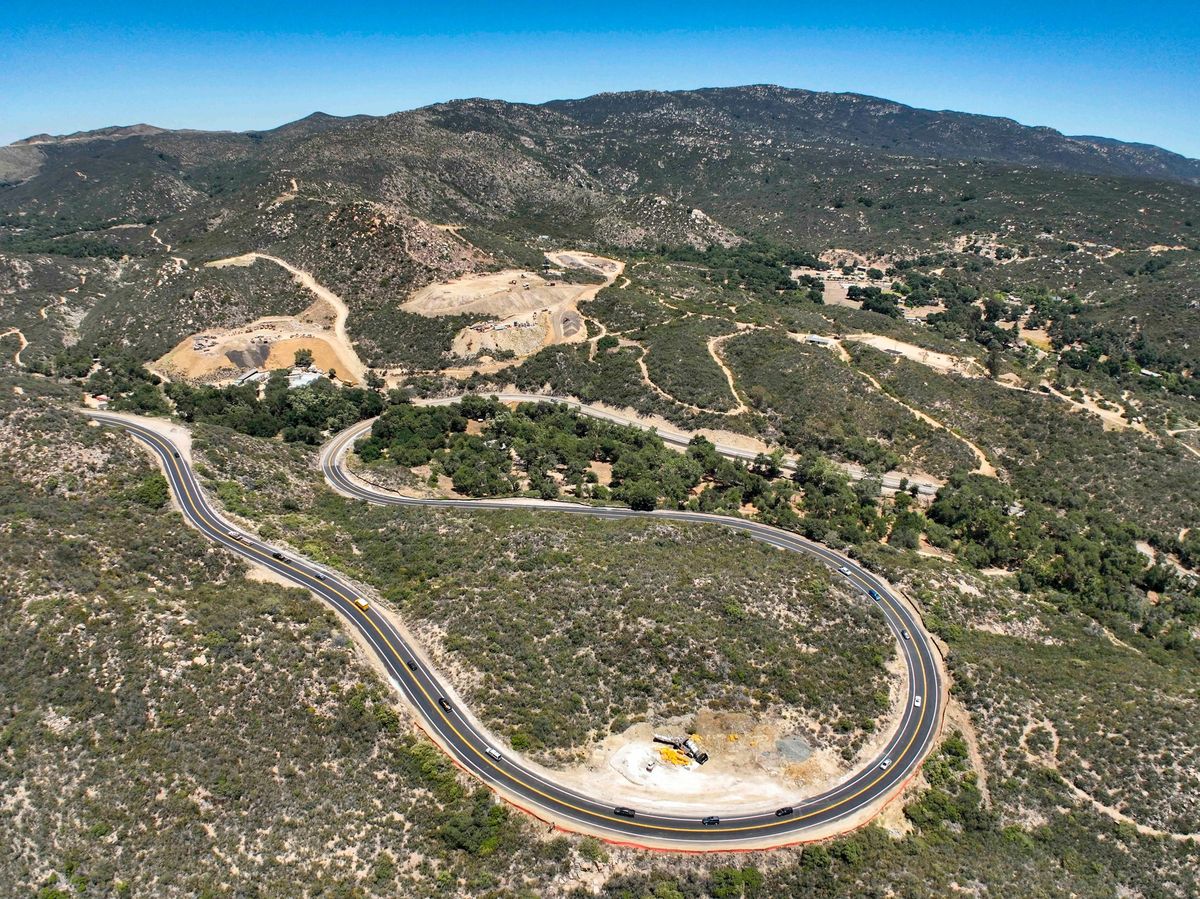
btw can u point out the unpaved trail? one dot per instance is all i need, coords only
(940, 362)
(158, 240)
(984, 467)
(1050, 760)
(594, 342)
(641, 363)
(1113, 420)
(24, 343)
(944, 363)
(340, 309)
(288, 195)
(1187, 446)
(713, 345)
(44, 312)
(1191, 449)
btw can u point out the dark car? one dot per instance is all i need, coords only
(319, 576)
(444, 703)
(176, 455)
(411, 663)
(875, 596)
(784, 812)
(624, 812)
(277, 555)
(711, 821)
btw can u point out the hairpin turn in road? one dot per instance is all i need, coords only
(480, 754)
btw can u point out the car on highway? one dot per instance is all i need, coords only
(784, 812)
(277, 555)
(917, 701)
(411, 663)
(176, 455)
(842, 569)
(711, 821)
(361, 603)
(493, 753)
(904, 634)
(624, 812)
(444, 703)
(885, 764)
(874, 595)
(318, 576)
(235, 535)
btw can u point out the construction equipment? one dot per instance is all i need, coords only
(673, 756)
(685, 745)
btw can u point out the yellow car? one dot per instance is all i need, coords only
(361, 603)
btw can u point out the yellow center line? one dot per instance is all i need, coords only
(726, 829)
(553, 800)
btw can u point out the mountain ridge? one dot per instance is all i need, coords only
(791, 114)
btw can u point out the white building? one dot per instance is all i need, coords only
(300, 377)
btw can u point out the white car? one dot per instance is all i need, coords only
(493, 753)
(842, 569)
(235, 535)
(885, 764)
(917, 701)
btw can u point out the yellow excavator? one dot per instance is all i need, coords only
(685, 746)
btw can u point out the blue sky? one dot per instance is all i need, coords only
(1130, 71)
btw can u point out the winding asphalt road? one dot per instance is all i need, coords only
(480, 754)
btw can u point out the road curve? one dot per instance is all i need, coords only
(477, 751)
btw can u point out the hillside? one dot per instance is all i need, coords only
(961, 351)
(799, 116)
(111, 226)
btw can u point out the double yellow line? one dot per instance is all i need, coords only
(169, 453)
(782, 822)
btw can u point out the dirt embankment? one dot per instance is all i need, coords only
(940, 362)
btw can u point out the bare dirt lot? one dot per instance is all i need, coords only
(221, 354)
(534, 310)
(940, 362)
(268, 343)
(755, 761)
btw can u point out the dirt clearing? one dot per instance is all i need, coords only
(940, 362)
(754, 760)
(534, 310)
(222, 354)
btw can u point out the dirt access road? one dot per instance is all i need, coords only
(220, 354)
